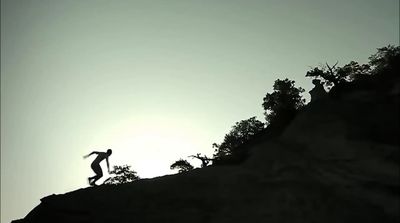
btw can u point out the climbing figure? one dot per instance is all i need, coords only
(96, 165)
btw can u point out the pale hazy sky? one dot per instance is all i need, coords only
(154, 80)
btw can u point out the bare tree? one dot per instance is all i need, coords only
(204, 159)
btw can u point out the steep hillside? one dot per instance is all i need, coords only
(337, 161)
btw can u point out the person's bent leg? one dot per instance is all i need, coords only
(99, 173)
(96, 178)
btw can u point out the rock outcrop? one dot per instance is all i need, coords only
(337, 161)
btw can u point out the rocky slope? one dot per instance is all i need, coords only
(337, 161)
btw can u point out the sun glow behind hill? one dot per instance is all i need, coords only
(150, 145)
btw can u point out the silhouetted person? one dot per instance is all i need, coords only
(96, 165)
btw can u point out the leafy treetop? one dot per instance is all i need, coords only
(123, 174)
(182, 166)
(286, 98)
(385, 59)
(240, 133)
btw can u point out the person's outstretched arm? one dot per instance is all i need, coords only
(94, 152)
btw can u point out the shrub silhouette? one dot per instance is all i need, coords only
(123, 174)
(204, 159)
(182, 166)
(240, 133)
(380, 73)
(333, 75)
(385, 60)
(284, 101)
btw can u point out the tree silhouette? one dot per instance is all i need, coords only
(204, 159)
(384, 63)
(284, 101)
(241, 132)
(353, 71)
(333, 75)
(123, 174)
(182, 166)
(386, 59)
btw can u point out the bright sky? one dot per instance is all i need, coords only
(154, 80)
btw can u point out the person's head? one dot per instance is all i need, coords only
(109, 152)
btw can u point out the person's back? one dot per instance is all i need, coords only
(100, 157)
